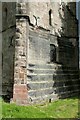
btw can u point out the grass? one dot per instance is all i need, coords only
(67, 108)
(0, 109)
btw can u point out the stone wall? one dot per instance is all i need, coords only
(0, 49)
(20, 66)
(47, 80)
(39, 69)
(62, 16)
(44, 65)
(8, 48)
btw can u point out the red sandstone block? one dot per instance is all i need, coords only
(20, 96)
(20, 92)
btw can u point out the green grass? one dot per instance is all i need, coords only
(67, 108)
(0, 108)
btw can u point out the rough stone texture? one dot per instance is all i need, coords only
(8, 15)
(20, 52)
(46, 55)
(43, 77)
(8, 60)
(8, 48)
(0, 49)
(60, 14)
(20, 64)
(20, 94)
(38, 49)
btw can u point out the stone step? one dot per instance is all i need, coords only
(43, 77)
(44, 66)
(65, 76)
(48, 84)
(62, 89)
(40, 85)
(55, 75)
(50, 90)
(39, 70)
(51, 66)
(40, 99)
(40, 92)
(32, 76)
(65, 83)
(69, 93)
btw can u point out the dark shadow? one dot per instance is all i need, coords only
(66, 81)
(8, 49)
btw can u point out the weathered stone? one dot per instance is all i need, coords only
(40, 56)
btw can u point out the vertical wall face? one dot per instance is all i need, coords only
(60, 13)
(63, 24)
(20, 62)
(20, 88)
(39, 68)
(52, 69)
(68, 42)
(44, 65)
(8, 47)
(0, 49)
(50, 66)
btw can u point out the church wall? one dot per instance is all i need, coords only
(41, 62)
(8, 48)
